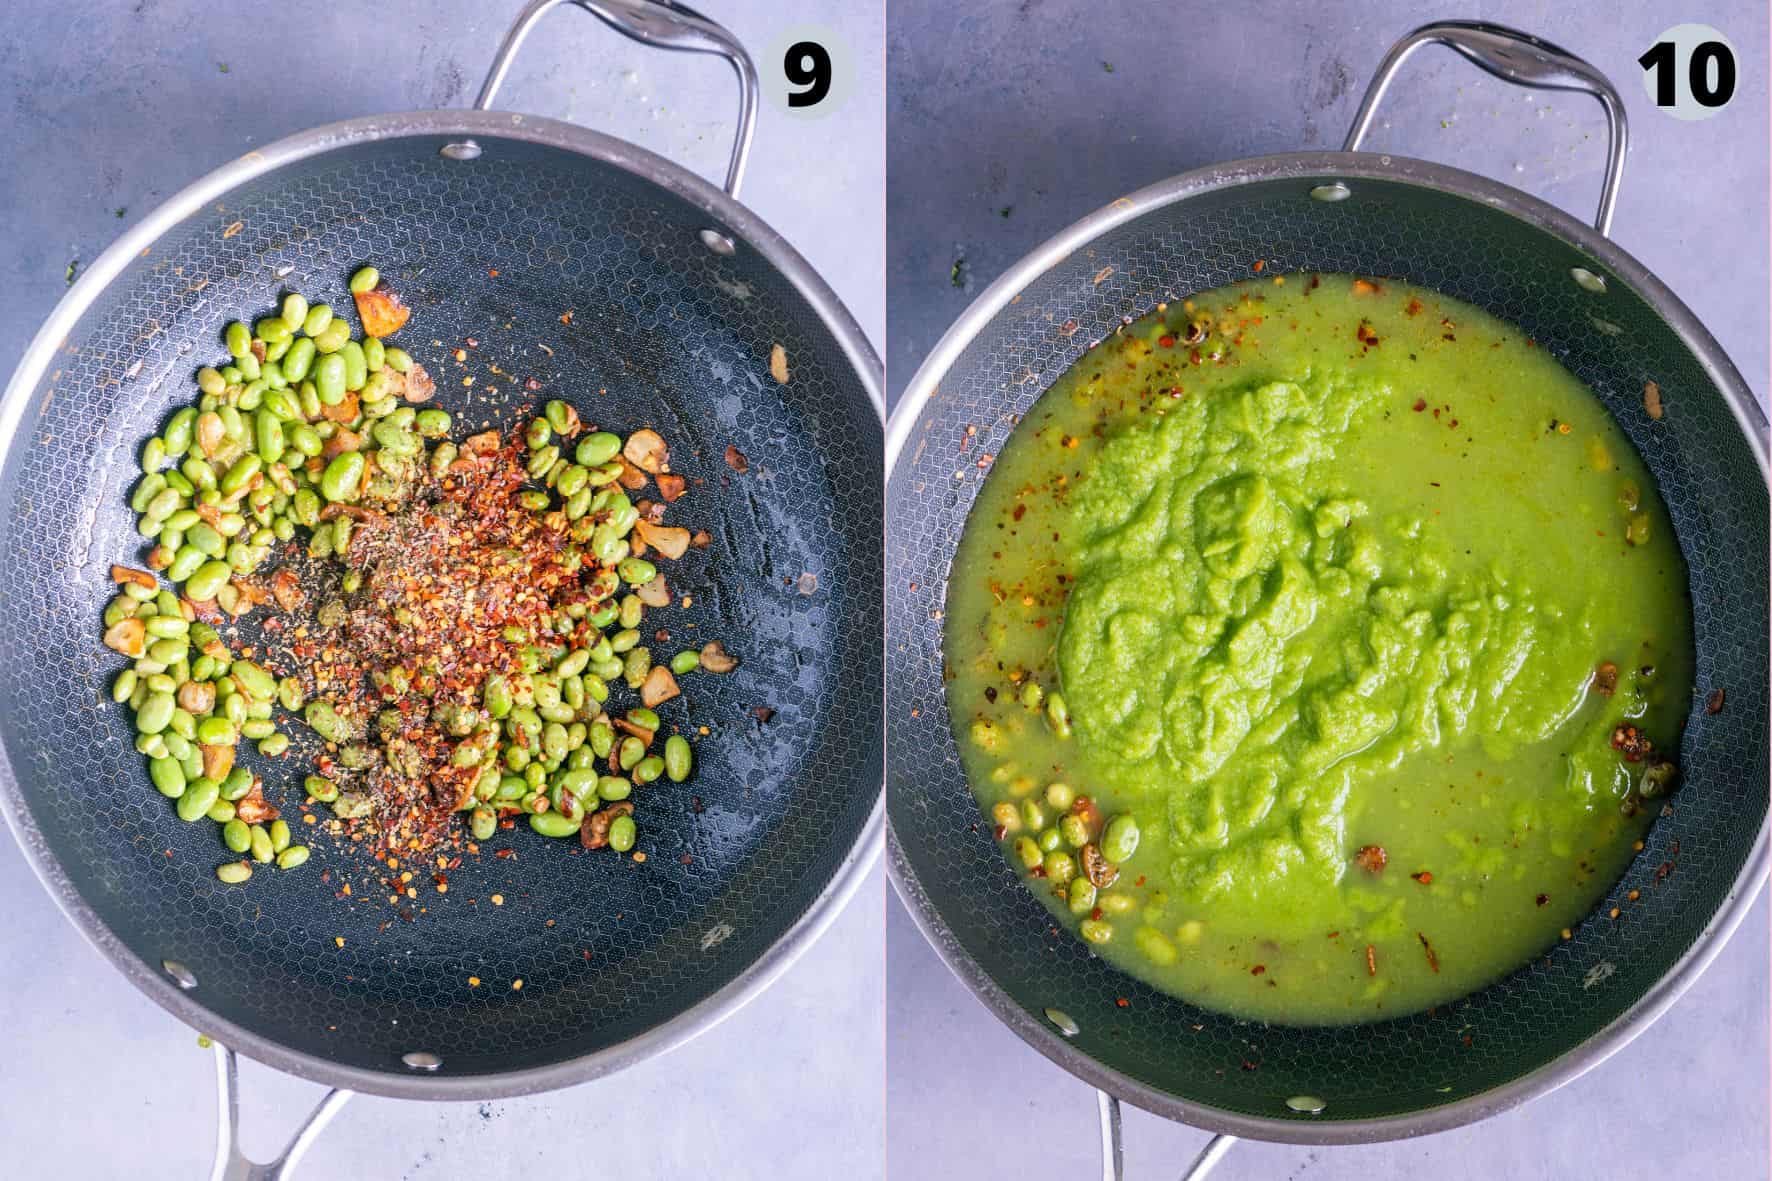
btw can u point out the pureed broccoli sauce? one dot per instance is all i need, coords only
(1312, 647)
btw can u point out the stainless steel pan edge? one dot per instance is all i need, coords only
(732, 219)
(1616, 265)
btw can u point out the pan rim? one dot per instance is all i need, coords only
(1750, 418)
(746, 229)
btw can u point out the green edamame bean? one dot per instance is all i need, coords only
(329, 379)
(325, 722)
(210, 381)
(356, 367)
(1058, 714)
(1119, 840)
(399, 360)
(293, 856)
(233, 872)
(621, 833)
(155, 714)
(217, 731)
(198, 798)
(560, 416)
(168, 775)
(298, 360)
(236, 836)
(294, 310)
(432, 424)
(306, 441)
(279, 835)
(365, 279)
(342, 477)
(648, 769)
(268, 435)
(553, 824)
(636, 571)
(678, 758)
(1074, 830)
(597, 449)
(238, 339)
(271, 329)
(375, 353)
(686, 661)
(261, 844)
(253, 680)
(318, 319)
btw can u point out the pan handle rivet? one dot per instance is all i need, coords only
(1587, 280)
(1306, 1104)
(719, 243)
(465, 149)
(181, 975)
(1332, 192)
(1063, 1020)
(421, 1060)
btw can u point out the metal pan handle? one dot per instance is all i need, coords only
(1524, 60)
(233, 1165)
(1113, 1161)
(663, 24)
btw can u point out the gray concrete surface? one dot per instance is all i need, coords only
(111, 107)
(1005, 124)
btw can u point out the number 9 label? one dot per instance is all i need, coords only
(808, 71)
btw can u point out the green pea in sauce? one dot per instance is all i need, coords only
(1359, 609)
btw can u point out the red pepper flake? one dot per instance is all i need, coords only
(1122, 1002)
(1713, 704)
(1433, 961)
(1371, 858)
(1420, 405)
(1412, 308)
(1260, 266)
(735, 459)
(1424, 877)
(1371, 960)
(1166, 341)
(1258, 969)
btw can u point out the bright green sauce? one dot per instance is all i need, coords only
(1342, 583)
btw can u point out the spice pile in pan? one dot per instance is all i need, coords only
(453, 622)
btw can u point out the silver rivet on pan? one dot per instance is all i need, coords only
(421, 1060)
(1587, 280)
(717, 242)
(1063, 1020)
(465, 149)
(181, 975)
(1331, 192)
(1306, 1104)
